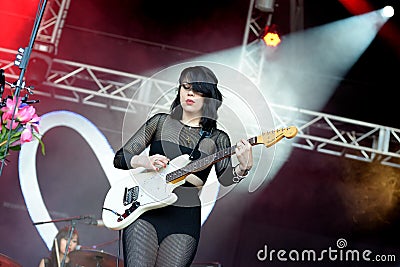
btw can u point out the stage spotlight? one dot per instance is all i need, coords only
(387, 12)
(271, 36)
(265, 5)
(38, 68)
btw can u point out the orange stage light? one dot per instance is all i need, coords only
(272, 39)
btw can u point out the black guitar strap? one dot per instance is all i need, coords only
(195, 154)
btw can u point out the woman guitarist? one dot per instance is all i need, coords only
(169, 236)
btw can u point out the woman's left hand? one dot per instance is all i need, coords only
(244, 154)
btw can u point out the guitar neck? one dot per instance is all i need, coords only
(206, 161)
(267, 138)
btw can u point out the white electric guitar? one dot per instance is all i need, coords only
(139, 192)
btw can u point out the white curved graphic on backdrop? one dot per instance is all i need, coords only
(101, 148)
(27, 165)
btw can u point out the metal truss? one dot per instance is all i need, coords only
(317, 131)
(51, 26)
(116, 90)
(253, 48)
(90, 85)
(340, 136)
(252, 57)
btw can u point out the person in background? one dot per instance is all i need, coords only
(59, 248)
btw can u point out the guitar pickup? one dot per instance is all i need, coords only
(130, 195)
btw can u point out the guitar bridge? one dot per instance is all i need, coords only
(130, 195)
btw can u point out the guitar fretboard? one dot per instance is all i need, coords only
(203, 162)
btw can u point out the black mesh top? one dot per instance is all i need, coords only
(172, 138)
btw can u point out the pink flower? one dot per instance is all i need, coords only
(26, 135)
(25, 125)
(9, 107)
(25, 114)
(6, 122)
(8, 110)
(35, 122)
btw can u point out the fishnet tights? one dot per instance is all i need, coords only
(141, 247)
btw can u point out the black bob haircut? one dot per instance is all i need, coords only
(203, 81)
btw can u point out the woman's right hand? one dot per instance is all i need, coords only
(154, 162)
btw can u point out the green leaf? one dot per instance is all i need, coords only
(41, 143)
(15, 148)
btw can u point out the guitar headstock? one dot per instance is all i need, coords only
(272, 137)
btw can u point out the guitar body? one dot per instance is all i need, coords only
(137, 193)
